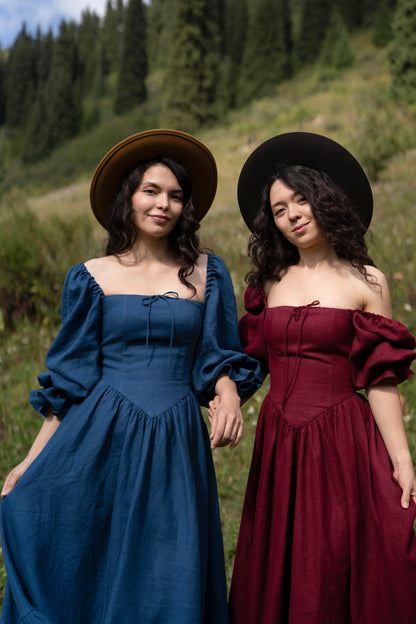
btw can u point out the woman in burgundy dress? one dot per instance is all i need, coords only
(327, 527)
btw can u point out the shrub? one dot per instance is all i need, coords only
(34, 258)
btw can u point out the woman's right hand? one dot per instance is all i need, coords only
(14, 476)
(49, 426)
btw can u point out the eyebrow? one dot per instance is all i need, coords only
(157, 186)
(294, 195)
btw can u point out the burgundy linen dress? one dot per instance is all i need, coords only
(323, 538)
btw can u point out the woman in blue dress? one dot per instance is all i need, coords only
(112, 518)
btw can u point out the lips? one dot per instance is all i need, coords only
(299, 228)
(159, 218)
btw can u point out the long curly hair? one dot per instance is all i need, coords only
(122, 231)
(272, 253)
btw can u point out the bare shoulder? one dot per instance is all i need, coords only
(376, 292)
(376, 275)
(98, 267)
(267, 286)
(202, 262)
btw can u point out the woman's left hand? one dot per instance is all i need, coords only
(404, 474)
(226, 420)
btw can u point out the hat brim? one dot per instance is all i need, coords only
(309, 150)
(124, 157)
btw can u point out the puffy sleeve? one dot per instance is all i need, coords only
(382, 350)
(73, 359)
(219, 348)
(251, 326)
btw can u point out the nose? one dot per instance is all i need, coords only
(163, 201)
(293, 211)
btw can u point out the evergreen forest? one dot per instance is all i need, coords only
(181, 63)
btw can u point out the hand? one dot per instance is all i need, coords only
(404, 474)
(14, 476)
(212, 406)
(226, 420)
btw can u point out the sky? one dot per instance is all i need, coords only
(45, 13)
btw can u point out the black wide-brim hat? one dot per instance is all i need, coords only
(124, 157)
(308, 150)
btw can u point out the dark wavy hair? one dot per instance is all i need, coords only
(272, 253)
(183, 239)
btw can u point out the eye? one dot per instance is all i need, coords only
(178, 198)
(149, 191)
(278, 212)
(302, 200)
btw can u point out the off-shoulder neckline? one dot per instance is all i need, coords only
(332, 308)
(316, 305)
(96, 285)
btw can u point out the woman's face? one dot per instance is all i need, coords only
(293, 216)
(157, 202)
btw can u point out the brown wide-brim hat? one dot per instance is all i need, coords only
(308, 150)
(124, 157)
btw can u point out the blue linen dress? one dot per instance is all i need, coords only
(117, 521)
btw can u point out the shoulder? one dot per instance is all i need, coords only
(98, 266)
(376, 294)
(218, 277)
(267, 286)
(202, 262)
(216, 267)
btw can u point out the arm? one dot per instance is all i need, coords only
(386, 407)
(49, 426)
(226, 420)
(385, 404)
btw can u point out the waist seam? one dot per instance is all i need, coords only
(327, 410)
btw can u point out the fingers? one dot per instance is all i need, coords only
(9, 483)
(238, 435)
(226, 427)
(404, 475)
(408, 493)
(405, 499)
(212, 406)
(13, 477)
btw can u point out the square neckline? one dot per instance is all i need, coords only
(143, 296)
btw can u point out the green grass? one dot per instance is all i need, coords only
(346, 109)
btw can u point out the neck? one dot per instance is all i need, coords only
(313, 257)
(147, 250)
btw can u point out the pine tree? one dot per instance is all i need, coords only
(44, 51)
(110, 38)
(266, 59)
(192, 70)
(402, 52)
(38, 140)
(161, 14)
(336, 53)
(314, 20)
(131, 84)
(2, 88)
(235, 32)
(382, 28)
(351, 12)
(88, 49)
(20, 77)
(63, 91)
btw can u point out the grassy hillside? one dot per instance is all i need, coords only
(354, 110)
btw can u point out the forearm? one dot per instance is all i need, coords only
(48, 428)
(386, 407)
(224, 385)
